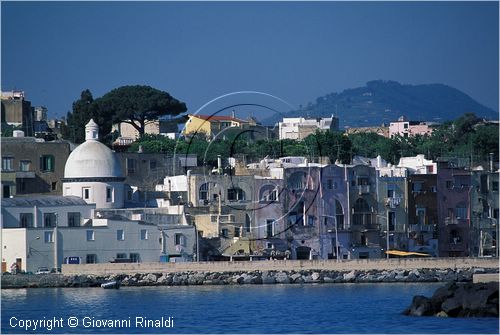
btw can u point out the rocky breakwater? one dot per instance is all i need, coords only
(243, 278)
(458, 300)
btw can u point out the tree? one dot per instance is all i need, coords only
(137, 105)
(79, 117)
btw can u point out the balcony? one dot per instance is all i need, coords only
(25, 174)
(392, 202)
(365, 227)
(450, 221)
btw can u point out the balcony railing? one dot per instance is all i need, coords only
(422, 228)
(363, 189)
(450, 221)
(392, 202)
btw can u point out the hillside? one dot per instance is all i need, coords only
(384, 101)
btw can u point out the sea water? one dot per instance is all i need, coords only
(324, 308)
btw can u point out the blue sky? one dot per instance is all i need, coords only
(197, 51)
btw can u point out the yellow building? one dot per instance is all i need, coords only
(211, 124)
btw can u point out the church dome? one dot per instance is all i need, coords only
(92, 159)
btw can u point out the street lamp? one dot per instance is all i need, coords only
(29, 244)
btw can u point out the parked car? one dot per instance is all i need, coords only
(42, 271)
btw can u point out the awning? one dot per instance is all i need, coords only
(405, 253)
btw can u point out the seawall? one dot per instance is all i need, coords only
(236, 273)
(282, 265)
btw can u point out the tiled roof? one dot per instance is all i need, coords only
(43, 200)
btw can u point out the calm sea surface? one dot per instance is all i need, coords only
(341, 308)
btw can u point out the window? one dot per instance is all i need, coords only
(270, 228)
(49, 237)
(121, 255)
(455, 237)
(405, 125)
(361, 213)
(6, 191)
(363, 181)
(91, 259)
(461, 211)
(135, 258)
(49, 220)
(53, 186)
(90, 235)
(392, 220)
(237, 231)
(213, 218)
(420, 215)
(109, 194)
(203, 194)
(7, 164)
(74, 219)
(144, 234)
(86, 193)
(390, 190)
(273, 195)
(494, 186)
(152, 164)
(449, 184)
(418, 186)
(310, 220)
(433, 189)
(26, 220)
(181, 240)
(120, 235)
(130, 165)
(234, 194)
(24, 165)
(47, 163)
(495, 213)
(224, 232)
(339, 215)
(268, 193)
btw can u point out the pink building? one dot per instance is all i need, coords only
(406, 128)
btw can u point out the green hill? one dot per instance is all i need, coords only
(383, 101)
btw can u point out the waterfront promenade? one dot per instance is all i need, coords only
(281, 265)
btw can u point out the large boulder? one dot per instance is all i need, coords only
(458, 300)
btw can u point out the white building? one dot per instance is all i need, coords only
(93, 173)
(299, 128)
(418, 165)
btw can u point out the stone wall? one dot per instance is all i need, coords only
(282, 265)
(256, 277)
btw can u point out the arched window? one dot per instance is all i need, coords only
(268, 193)
(361, 213)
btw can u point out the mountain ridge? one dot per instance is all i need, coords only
(383, 101)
